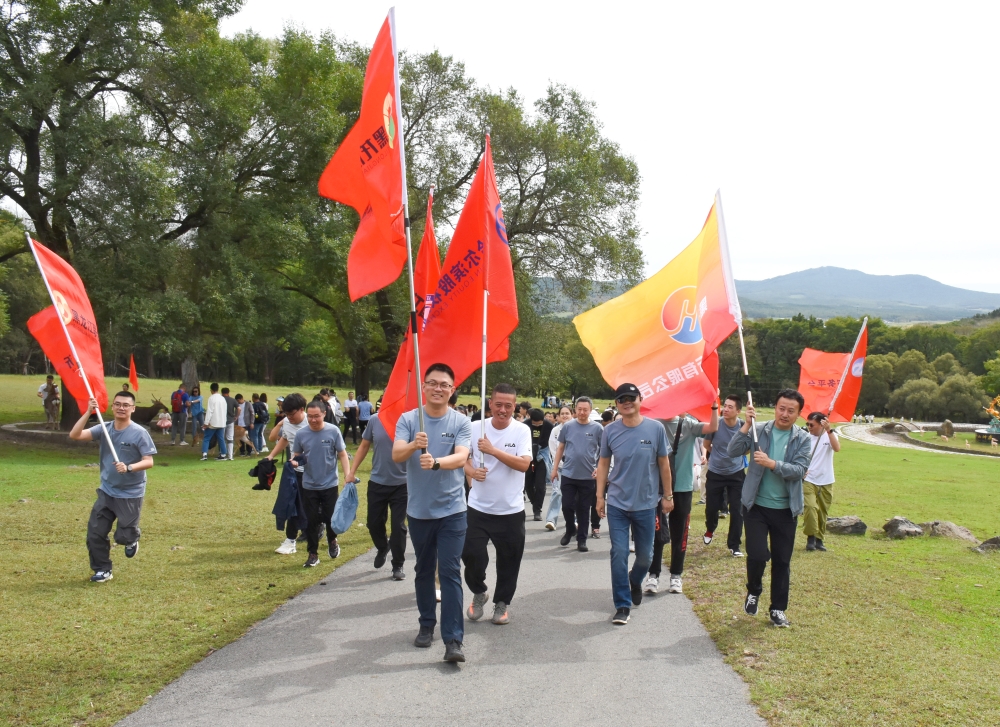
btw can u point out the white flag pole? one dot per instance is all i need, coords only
(72, 346)
(847, 368)
(414, 332)
(486, 298)
(734, 303)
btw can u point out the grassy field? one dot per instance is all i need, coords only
(884, 632)
(958, 442)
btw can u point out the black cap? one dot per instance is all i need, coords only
(626, 390)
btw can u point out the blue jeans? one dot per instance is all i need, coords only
(642, 523)
(214, 434)
(438, 543)
(257, 436)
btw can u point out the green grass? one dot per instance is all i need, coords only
(884, 632)
(957, 442)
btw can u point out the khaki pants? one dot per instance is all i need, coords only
(818, 499)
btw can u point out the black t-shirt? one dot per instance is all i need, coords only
(540, 436)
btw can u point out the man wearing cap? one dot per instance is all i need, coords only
(640, 480)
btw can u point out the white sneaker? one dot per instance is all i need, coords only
(631, 546)
(437, 595)
(675, 585)
(736, 553)
(185, 444)
(551, 526)
(651, 585)
(264, 451)
(286, 548)
(230, 458)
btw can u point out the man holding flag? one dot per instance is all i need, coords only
(123, 481)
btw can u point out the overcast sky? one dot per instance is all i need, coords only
(859, 134)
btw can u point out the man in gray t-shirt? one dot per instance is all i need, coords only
(435, 482)
(318, 447)
(123, 481)
(579, 447)
(725, 478)
(386, 489)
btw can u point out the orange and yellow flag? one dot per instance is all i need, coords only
(662, 334)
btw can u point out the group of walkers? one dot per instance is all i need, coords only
(455, 485)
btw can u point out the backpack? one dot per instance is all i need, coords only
(177, 401)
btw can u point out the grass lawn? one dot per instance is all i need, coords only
(958, 442)
(883, 632)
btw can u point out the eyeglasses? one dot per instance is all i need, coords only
(438, 385)
(122, 405)
(625, 399)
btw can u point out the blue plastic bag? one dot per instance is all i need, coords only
(346, 509)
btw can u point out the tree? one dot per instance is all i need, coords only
(991, 380)
(913, 365)
(876, 384)
(946, 365)
(917, 398)
(979, 347)
(961, 398)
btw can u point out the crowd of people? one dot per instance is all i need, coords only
(456, 482)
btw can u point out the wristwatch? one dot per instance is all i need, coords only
(436, 465)
(128, 468)
(671, 497)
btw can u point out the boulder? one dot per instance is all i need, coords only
(947, 428)
(899, 527)
(991, 545)
(848, 525)
(945, 529)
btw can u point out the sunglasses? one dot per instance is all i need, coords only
(625, 399)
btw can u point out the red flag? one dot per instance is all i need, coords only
(133, 377)
(69, 322)
(478, 259)
(427, 271)
(367, 172)
(831, 382)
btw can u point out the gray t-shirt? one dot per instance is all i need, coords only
(719, 460)
(132, 444)
(321, 449)
(384, 470)
(431, 494)
(684, 458)
(581, 446)
(634, 482)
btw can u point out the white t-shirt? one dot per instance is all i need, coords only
(821, 469)
(501, 493)
(288, 431)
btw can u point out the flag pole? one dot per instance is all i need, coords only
(864, 325)
(746, 383)
(72, 346)
(406, 223)
(486, 297)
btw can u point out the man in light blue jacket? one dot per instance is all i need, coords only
(772, 498)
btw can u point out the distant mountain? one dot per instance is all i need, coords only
(823, 292)
(830, 291)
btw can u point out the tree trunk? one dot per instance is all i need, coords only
(150, 364)
(361, 378)
(70, 411)
(189, 373)
(268, 368)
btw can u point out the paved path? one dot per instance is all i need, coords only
(341, 654)
(873, 434)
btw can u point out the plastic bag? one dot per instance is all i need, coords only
(345, 510)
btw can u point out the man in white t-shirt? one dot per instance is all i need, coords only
(817, 485)
(294, 407)
(496, 465)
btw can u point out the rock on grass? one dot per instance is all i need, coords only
(847, 525)
(945, 529)
(899, 527)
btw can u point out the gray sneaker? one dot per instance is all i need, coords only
(500, 615)
(397, 573)
(475, 611)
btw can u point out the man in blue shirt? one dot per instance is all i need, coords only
(640, 480)
(772, 498)
(436, 509)
(365, 410)
(123, 482)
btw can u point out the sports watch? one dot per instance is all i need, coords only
(436, 465)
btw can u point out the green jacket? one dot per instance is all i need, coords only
(791, 467)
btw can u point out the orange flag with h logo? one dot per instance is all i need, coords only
(662, 334)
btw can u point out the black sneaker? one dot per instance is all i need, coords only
(595, 533)
(221, 458)
(811, 543)
(538, 517)
(621, 617)
(425, 637)
(564, 540)
(819, 546)
(397, 573)
(779, 619)
(750, 605)
(334, 550)
(724, 514)
(380, 557)
(131, 550)
(582, 547)
(312, 561)
(101, 576)
(636, 594)
(453, 652)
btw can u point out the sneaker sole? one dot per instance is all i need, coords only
(620, 622)
(399, 577)
(780, 626)
(502, 621)
(455, 659)
(551, 527)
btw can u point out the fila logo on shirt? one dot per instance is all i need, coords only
(510, 445)
(645, 441)
(447, 435)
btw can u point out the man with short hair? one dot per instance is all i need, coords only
(180, 402)
(351, 417)
(365, 410)
(497, 467)
(579, 447)
(232, 409)
(123, 482)
(294, 408)
(317, 449)
(436, 508)
(725, 478)
(215, 424)
(49, 394)
(386, 490)
(772, 498)
(817, 489)
(536, 477)
(640, 481)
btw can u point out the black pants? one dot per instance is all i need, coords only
(534, 484)
(762, 523)
(351, 423)
(720, 488)
(578, 498)
(319, 506)
(106, 510)
(679, 520)
(506, 532)
(380, 499)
